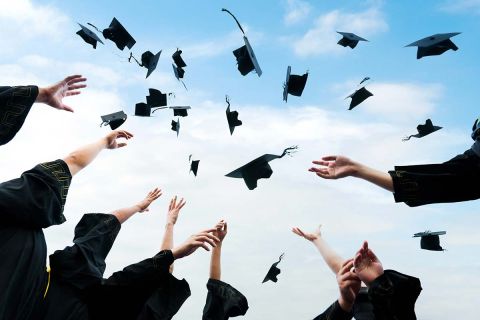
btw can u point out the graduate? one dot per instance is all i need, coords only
(223, 300)
(28, 204)
(416, 185)
(391, 293)
(362, 308)
(16, 102)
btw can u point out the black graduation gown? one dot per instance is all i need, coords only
(28, 204)
(223, 301)
(451, 181)
(15, 103)
(79, 267)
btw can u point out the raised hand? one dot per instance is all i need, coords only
(309, 236)
(54, 94)
(201, 239)
(220, 230)
(367, 266)
(111, 139)
(348, 284)
(174, 210)
(334, 167)
(151, 196)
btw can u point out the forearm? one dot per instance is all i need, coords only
(215, 262)
(380, 178)
(82, 157)
(167, 241)
(124, 213)
(42, 96)
(331, 258)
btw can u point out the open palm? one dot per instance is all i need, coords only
(333, 167)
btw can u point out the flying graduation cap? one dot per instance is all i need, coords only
(118, 34)
(89, 36)
(178, 64)
(434, 45)
(423, 130)
(114, 120)
(349, 39)
(274, 271)
(294, 84)
(232, 117)
(258, 168)
(430, 240)
(180, 111)
(176, 126)
(246, 59)
(156, 98)
(149, 61)
(359, 95)
(193, 165)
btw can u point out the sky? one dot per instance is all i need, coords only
(39, 46)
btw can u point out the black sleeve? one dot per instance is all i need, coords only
(393, 296)
(223, 301)
(15, 103)
(36, 199)
(335, 312)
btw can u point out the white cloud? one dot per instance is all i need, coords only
(296, 11)
(322, 38)
(461, 6)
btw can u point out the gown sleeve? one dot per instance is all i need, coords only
(223, 301)
(335, 312)
(15, 103)
(36, 199)
(393, 296)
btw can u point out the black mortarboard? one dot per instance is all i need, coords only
(177, 58)
(115, 119)
(273, 272)
(423, 130)
(193, 165)
(246, 59)
(180, 111)
(476, 129)
(89, 36)
(176, 125)
(430, 240)
(232, 117)
(349, 39)
(118, 34)
(358, 97)
(258, 168)
(142, 109)
(178, 71)
(434, 45)
(149, 61)
(156, 98)
(294, 84)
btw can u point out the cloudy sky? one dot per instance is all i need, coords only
(39, 46)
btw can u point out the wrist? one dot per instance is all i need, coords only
(358, 170)
(42, 95)
(345, 305)
(169, 224)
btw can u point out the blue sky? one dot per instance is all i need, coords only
(40, 46)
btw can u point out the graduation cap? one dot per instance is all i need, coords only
(149, 61)
(176, 125)
(156, 98)
(476, 129)
(246, 58)
(258, 168)
(359, 96)
(273, 272)
(89, 36)
(115, 119)
(349, 39)
(434, 45)
(430, 240)
(180, 111)
(143, 110)
(193, 165)
(294, 84)
(423, 130)
(177, 58)
(118, 34)
(232, 117)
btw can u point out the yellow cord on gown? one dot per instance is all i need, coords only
(48, 283)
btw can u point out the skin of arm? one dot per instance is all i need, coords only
(172, 216)
(336, 167)
(331, 258)
(125, 213)
(53, 95)
(82, 157)
(215, 260)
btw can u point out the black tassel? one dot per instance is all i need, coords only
(238, 23)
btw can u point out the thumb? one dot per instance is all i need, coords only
(67, 108)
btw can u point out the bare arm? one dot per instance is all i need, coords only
(123, 214)
(172, 216)
(215, 260)
(331, 258)
(336, 167)
(82, 157)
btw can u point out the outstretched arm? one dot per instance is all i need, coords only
(215, 261)
(142, 206)
(172, 216)
(336, 167)
(331, 258)
(53, 95)
(80, 158)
